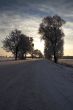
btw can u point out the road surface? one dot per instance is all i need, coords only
(36, 85)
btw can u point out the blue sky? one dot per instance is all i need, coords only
(26, 15)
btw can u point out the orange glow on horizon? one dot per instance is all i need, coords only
(4, 53)
(68, 52)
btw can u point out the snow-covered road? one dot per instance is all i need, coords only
(36, 85)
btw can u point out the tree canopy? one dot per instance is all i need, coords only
(51, 31)
(37, 53)
(18, 43)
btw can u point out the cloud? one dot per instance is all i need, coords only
(64, 8)
(68, 30)
(26, 15)
(29, 25)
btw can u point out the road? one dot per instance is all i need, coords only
(36, 85)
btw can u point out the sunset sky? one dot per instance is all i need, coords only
(26, 15)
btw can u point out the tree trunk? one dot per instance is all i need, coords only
(25, 56)
(32, 55)
(16, 53)
(22, 56)
(16, 56)
(55, 58)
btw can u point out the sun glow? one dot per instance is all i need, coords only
(4, 53)
(39, 44)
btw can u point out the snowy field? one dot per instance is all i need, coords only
(36, 85)
(2, 59)
(11, 61)
(66, 61)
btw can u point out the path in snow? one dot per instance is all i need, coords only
(36, 85)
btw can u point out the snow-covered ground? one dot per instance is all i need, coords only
(6, 58)
(66, 61)
(36, 85)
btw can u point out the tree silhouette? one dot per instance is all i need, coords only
(37, 53)
(51, 31)
(31, 46)
(18, 43)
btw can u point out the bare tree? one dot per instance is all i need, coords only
(51, 31)
(31, 46)
(37, 53)
(17, 43)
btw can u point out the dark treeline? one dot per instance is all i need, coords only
(52, 34)
(20, 44)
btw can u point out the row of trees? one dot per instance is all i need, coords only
(19, 44)
(51, 32)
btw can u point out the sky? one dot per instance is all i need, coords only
(27, 15)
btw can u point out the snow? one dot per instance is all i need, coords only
(36, 85)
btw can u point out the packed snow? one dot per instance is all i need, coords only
(36, 85)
